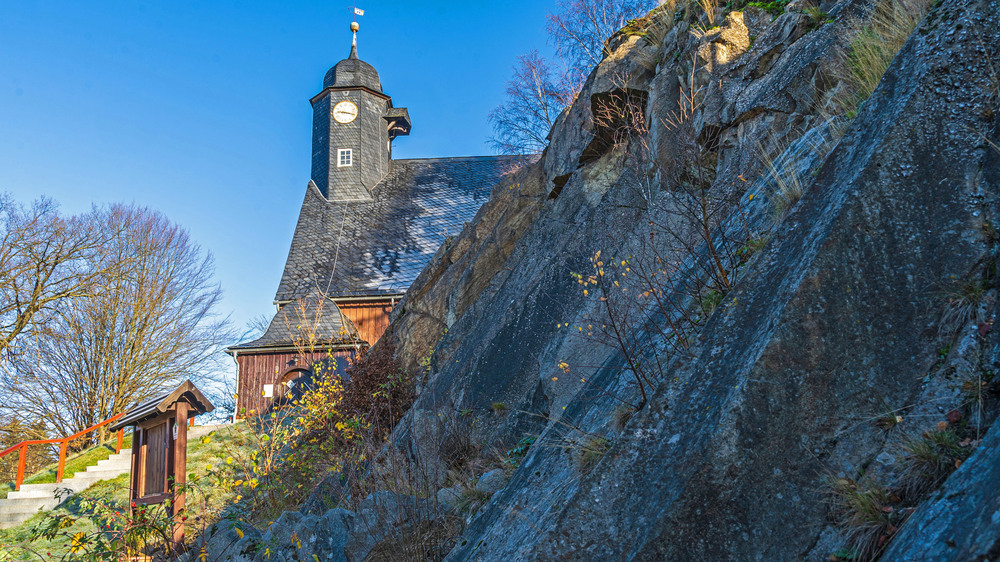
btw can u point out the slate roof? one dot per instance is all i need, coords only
(352, 72)
(378, 247)
(310, 311)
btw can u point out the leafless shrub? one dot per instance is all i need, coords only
(655, 293)
(580, 28)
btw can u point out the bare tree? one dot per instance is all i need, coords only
(538, 91)
(579, 29)
(522, 123)
(13, 430)
(148, 322)
(45, 260)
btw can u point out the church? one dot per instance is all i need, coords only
(367, 227)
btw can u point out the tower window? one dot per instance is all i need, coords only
(344, 157)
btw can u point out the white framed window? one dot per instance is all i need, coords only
(344, 157)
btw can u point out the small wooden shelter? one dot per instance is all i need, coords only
(159, 448)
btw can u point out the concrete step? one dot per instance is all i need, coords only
(117, 465)
(15, 511)
(25, 493)
(103, 471)
(23, 504)
(49, 488)
(121, 457)
(25, 511)
(82, 481)
(28, 505)
(8, 520)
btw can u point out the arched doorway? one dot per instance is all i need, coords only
(292, 383)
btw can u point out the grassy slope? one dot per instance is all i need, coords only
(204, 504)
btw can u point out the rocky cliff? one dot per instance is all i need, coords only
(723, 306)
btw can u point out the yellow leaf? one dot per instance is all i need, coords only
(76, 544)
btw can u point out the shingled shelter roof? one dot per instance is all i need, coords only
(311, 313)
(378, 247)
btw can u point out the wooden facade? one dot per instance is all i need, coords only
(154, 447)
(370, 317)
(260, 371)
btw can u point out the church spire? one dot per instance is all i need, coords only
(354, 42)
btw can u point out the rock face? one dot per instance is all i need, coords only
(837, 315)
(707, 430)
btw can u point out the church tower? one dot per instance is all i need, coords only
(354, 124)
(367, 227)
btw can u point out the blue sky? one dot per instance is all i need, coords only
(200, 109)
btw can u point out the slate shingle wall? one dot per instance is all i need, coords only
(321, 144)
(367, 136)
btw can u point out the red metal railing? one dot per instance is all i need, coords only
(63, 443)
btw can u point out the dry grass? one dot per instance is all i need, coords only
(963, 306)
(876, 42)
(928, 460)
(711, 10)
(788, 186)
(863, 513)
(621, 416)
(653, 28)
(591, 450)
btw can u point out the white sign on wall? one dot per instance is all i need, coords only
(268, 390)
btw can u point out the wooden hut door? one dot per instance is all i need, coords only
(157, 442)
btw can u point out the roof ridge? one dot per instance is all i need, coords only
(445, 158)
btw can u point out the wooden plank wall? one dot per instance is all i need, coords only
(370, 317)
(257, 369)
(158, 439)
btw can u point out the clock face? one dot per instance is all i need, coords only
(345, 112)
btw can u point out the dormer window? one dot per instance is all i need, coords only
(344, 157)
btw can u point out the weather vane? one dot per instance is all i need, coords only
(354, 22)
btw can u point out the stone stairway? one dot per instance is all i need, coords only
(19, 506)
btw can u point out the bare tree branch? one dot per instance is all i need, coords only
(44, 261)
(522, 123)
